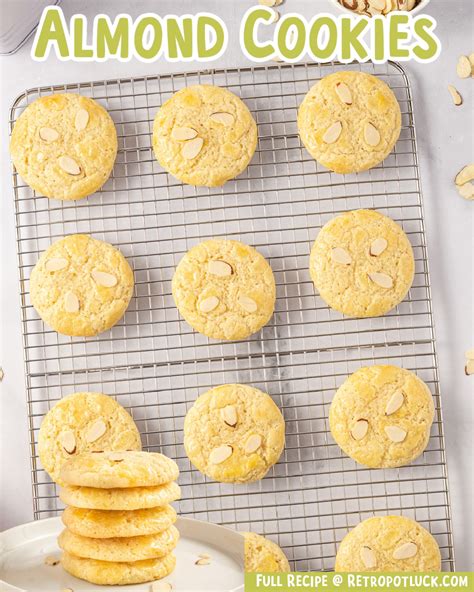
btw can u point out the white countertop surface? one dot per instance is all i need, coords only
(445, 136)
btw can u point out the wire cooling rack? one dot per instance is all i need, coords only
(156, 366)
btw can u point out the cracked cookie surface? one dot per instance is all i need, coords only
(204, 135)
(224, 289)
(362, 264)
(381, 416)
(367, 117)
(81, 286)
(64, 146)
(263, 555)
(388, 543)
(234, 433)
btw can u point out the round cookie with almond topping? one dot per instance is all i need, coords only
(388, 544)
(204, 135)
(381, 416)
(362, 264)
(349, 121)
(234, 433)
(64, 146)
(224, 289)
(263, 555)
(84, 422)
(81, 286)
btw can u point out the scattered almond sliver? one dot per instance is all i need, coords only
(457, 98)
(51, 560)
(464, 67)
(161, 587)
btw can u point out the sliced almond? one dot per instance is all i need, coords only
(360, 429)
(192, 148)
(96, 431)
(161, 587)
(56, 264)
(344, 93)
(275, 16)
(67, 590)
(457, 98)
(464, 68)
(253, 443)
(220, 268)
(378, 246)
(368, 557)
(466, 191)
(470, 354)
(248, 304)
(394, 403)
(405, 551)
(68, 441)
(371, 135)
(209, 304)
(51, 560)
(108, 280)
(48, 134)
(395, 433)
(116, 456)
(332, 133)
(469, 369)
(81, 120)
(2, 374)
(202, 561)
(226, 119)
(229, 415)
(378, 4)
(183, 133)
(220, 454)
(465, 175)
(471, 59)
(71, 302)
(69, 165)
(340, 255)
(381, 279)
(267, 2)
(204, 556)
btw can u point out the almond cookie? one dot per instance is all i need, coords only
(103, 524)
(381, 416)
(234, 433)
(204, 135)
(349, 121)
(131, 498)
(110, 470)
(64, 146)
(112, 573)
(84, 422)
(224, 289)
(388, 543)
(362, 264)
(127, 549)
(81, 286)
(263, 555)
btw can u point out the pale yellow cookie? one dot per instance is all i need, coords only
(104, 524)
(81, 286)
(83, 422)
(362, 264)
(130, 498)
(234, 433)
(127, 549)
(263, 555)
(349, 121)
(204, 135)
(381, 416)
(388, 543)
(112, 573)
(224, 289)
(109, 470)
(64, 146)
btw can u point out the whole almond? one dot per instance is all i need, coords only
(69, 165)
(71, 302)
(360, 429)
(378, 246)
(340, 255)
(368, 557)
(56, 264)
(381, 279)
(68, 441)
(253, 443)
(395, 433)
(220, 454)
(248, 304)
(332, 133)
(229, 415)
(192, 148)
(220, 268)
(457, 98)
(209, 304)
(405, 551)
(464, 68)
(344, 93)
(96, 431)
(81, 120)
(225, 119)
(48, 134)
(183, 133)
(394, 403)
(371, 135)
(108, 280)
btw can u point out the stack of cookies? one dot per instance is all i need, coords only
(119, 524)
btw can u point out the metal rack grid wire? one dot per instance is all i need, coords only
(156, 366)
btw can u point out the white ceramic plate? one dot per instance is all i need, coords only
(24, 548)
